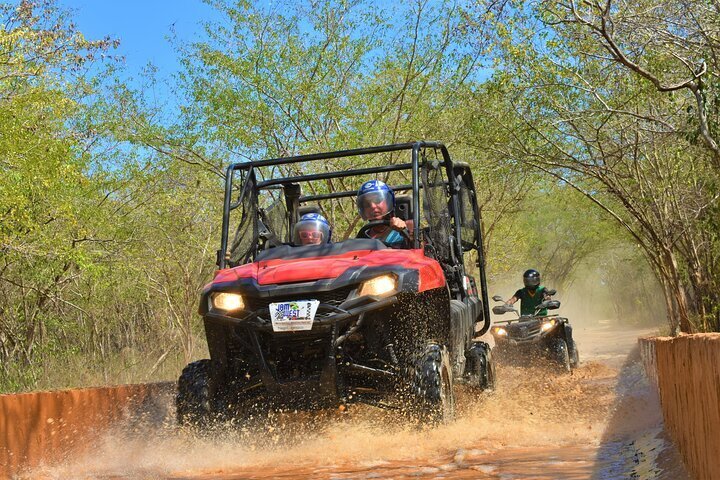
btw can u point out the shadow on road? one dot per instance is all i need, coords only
(635, 444)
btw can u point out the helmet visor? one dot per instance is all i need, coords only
(375, 205)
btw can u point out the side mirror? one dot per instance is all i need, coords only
(499, 309)
(551, 291)
(497, 298)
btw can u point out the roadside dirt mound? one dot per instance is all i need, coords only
(52, 426)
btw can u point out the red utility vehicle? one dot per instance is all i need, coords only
(350, 321)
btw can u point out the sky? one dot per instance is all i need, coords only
(142, 27)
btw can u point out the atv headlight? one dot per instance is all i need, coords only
(227, 301)
(499, 331)
(378, 286)
(547, 325)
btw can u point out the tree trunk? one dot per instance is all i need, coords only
(677, 289)
(669, 305)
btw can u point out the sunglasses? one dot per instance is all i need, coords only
(310, 235)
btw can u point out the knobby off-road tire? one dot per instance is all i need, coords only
(480, 367)
(432, 386)
(559, 354)
(490, 377)
(575, 357)
(199, 401)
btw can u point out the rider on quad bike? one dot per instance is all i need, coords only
(532, 295)
(534, 329)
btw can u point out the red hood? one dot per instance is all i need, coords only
(279, 271)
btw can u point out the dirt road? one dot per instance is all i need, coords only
(603, 422)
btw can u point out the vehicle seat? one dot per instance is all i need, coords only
(403, 207)
(302, 210)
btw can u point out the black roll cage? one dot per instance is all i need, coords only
(414, 166)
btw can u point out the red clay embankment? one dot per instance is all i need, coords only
(686, 370)
(50, 426)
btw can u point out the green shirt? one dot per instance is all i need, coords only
(529, 300)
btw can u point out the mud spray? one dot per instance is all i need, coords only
(601, 422)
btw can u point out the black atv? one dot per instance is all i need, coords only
(351, 321)
(535, 335)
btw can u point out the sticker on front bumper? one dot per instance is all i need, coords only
(293, 316)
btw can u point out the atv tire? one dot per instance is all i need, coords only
(575, 357)
(559, 354)
(198, 401)
(432, 386)
(480, 367)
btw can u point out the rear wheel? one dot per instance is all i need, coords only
(480, 367)
(559, 354)
(432, 386)
(199, 401)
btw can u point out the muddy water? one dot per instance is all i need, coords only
(601, 422)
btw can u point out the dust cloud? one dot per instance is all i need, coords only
(596, 296)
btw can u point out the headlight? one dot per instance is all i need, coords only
(547, 325)
(227, 301)
(378, 286)
(499, 331)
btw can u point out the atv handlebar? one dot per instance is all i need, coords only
(547, 304)
(501, 309)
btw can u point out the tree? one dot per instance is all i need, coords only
(673, 46)
(45, 226)
(589, 123)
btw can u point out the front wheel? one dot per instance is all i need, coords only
(198, 396)
(559, 354)
(432, 386)
(575, 357)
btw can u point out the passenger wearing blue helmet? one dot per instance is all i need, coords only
(375, 203)
(311, 229)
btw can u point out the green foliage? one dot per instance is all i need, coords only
(596, 113)
(562, 233)
(110, 203)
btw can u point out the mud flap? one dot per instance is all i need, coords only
(462, 331)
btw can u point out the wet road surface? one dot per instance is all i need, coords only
(602, 422)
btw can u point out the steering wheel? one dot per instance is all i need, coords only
(363, 233)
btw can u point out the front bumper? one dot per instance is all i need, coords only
(530, 334)
(259, 320)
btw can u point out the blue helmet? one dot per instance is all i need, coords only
(375, 200)
(312, 229)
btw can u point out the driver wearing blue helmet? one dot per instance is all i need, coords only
(376, 202)
(311, 229)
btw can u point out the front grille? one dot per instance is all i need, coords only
(294, 358)
(330, 297)
(525, 329)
